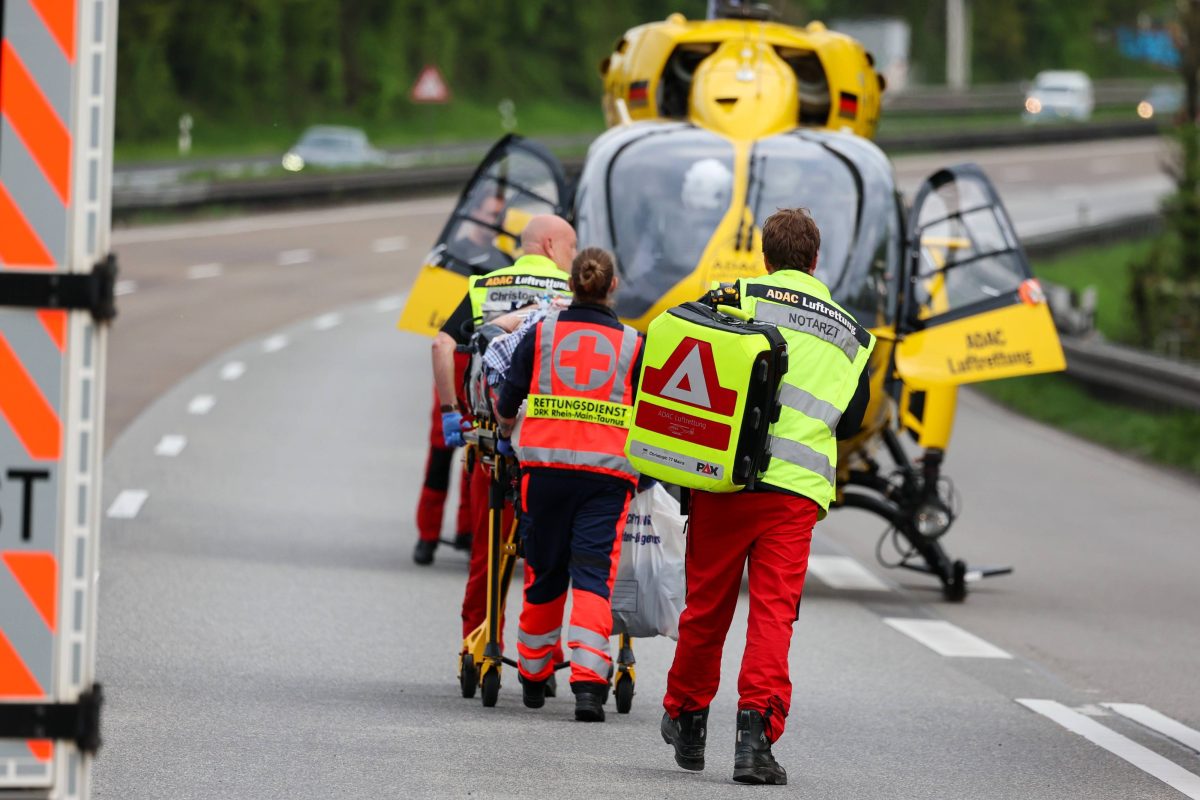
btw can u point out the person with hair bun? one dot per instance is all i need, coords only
(577, 375)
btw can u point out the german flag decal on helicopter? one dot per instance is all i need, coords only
(639, 93)
(847, 105)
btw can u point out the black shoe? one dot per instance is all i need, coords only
(533, 693)
(752, 759)
(589, 701)
(551, 689)
(687, 733)
(463, 541)
(423, 552)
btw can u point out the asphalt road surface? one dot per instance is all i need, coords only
(264, 632)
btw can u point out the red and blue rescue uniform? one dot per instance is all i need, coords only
(579, 371)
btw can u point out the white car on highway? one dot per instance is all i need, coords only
(1058, 95)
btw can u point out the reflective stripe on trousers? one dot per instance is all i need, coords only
(536, 651)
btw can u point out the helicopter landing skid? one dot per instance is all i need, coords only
(919, 509)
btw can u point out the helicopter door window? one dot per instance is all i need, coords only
(968, 256)
(666, 197)
(484, 231)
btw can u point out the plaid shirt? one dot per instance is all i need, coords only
(499, 354)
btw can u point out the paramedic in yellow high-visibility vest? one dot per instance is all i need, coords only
(823, 397)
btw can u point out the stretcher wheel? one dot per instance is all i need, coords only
(624, 693)
(468, 676)
(491, 688)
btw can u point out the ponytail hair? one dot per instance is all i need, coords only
(591, 275)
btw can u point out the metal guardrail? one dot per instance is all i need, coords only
(1126, 371)
(1002, 97)
(1133, 373)
(366, 184)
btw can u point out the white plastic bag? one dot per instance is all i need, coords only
(649, 590)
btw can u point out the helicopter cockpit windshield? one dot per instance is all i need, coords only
(850, 194)
(666, 195)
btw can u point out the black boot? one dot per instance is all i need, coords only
(551, 686)
(687, 733)
(423, 552)
(462, 541)
(533, 693)
(752, 759)
(589, 701)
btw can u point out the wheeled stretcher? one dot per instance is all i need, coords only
(481, 658)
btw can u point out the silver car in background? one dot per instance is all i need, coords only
(332, 147)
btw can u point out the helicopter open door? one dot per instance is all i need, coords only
(971, 310)
(518, 179)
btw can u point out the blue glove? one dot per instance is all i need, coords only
(452, 428)
(504, 447)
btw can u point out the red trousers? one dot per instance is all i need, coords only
(773, 532)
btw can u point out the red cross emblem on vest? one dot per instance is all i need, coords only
(584, 360)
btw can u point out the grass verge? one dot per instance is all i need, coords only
(460, 121)
(1171, 438)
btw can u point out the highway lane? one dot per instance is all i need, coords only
(294, 480)
(263, 632)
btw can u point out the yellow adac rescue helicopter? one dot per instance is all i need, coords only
(713, 125)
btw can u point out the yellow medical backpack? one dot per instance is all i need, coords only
(707, 395)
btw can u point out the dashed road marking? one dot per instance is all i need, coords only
(843, 572)
(1148, 717)
(201, 404)
(127, 504)
(121, 288)
(232, 371)
(289, 258)
(327, 321)
(945, 638)
(390, 244)
(1141, 757)
(275, 343)
(199, 272)
(170, 445)
(390, 304)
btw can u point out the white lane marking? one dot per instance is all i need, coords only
(946, 639)
(275, 343)
(1144, 715)
(327, 321)
(390, 244)
(274, 222)
(843, 572)
(232, 371)
(127, 504)
(199, 272)
(290, 258)
(389, 304)
(201, 404)
(1141, 757)
(170, 445)
(122, 288)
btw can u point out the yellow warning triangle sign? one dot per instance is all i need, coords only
(430, 87)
